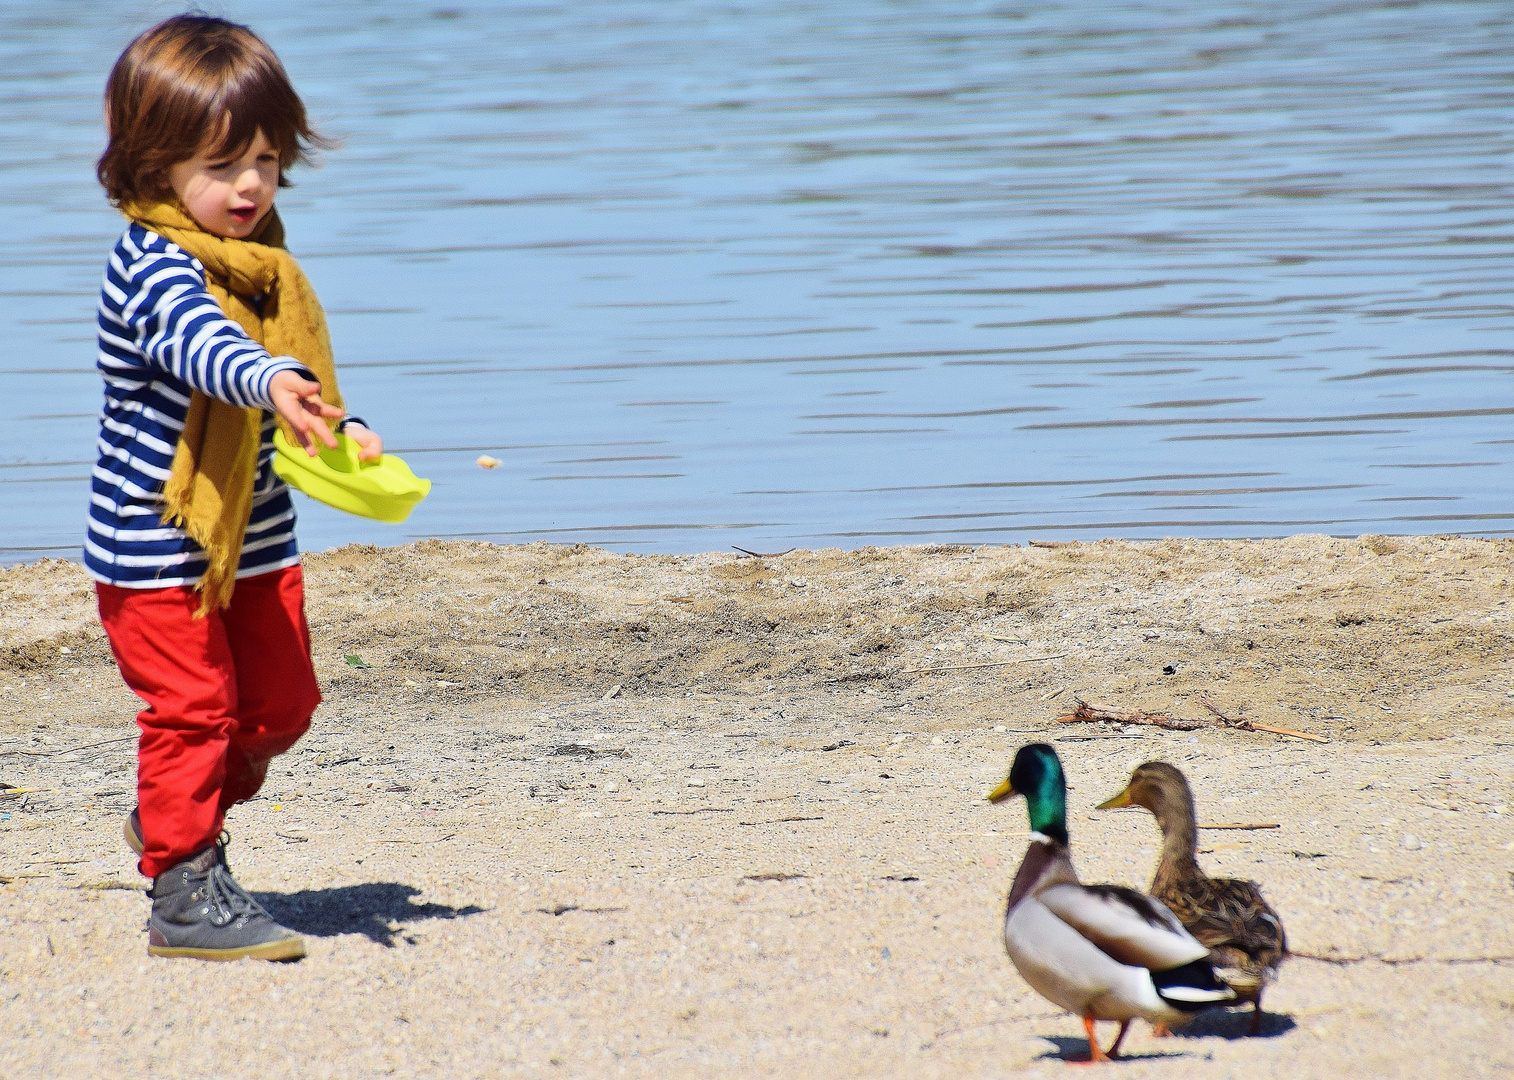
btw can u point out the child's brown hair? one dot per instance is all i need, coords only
(184, 81)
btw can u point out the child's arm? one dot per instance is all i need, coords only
(171, 319)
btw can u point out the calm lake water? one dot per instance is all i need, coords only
(843, 273)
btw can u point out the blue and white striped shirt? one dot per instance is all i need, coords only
(162, 336)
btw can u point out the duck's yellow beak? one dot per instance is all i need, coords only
(1002, 792)
(1122, 799)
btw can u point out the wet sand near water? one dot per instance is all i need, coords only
(768, 849)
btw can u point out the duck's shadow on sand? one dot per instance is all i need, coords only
(378, 910)
(1216, 1023)
(1075, 1049)
(1235, 1024)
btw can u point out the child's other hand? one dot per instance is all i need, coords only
(298, 400)
(370, 446)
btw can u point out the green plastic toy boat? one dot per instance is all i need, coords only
(385, 490)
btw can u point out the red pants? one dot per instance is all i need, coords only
(224, 695)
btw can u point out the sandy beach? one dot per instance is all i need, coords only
(567, 812)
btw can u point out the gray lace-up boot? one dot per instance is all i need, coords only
(199, 910)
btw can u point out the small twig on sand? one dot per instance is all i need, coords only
(1094, 712)
(764, 554)
(1259, 825)
(1242, 724)
(70, 750)
(1397, 961)
(1252, 725)
(970, 667)
(780, 821)
(1209, 704)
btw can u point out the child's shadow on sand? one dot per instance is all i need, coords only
(378, 910)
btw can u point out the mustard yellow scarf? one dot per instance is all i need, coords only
(209, 489)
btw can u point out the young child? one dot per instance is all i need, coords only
(210, 336)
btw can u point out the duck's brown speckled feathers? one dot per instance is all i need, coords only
(1241, 929)
(1244, 935)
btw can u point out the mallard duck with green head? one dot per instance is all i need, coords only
(1243, 933)
(1104, 952)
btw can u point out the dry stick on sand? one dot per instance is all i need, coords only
(970, 667)
(1094, 712)
(764, 554)
(68, 750)
(1251, 725)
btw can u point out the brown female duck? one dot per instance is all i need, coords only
(1243, 933)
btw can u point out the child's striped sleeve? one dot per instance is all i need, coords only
(178, 326)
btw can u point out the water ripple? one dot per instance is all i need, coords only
(615, 229)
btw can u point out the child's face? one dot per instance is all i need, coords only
(228, 195)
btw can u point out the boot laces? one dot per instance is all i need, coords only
(228, 900)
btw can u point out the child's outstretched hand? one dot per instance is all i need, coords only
(298, 400)
(370, 446)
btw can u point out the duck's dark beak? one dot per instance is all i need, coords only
(1122, 799)
(1002, 792)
